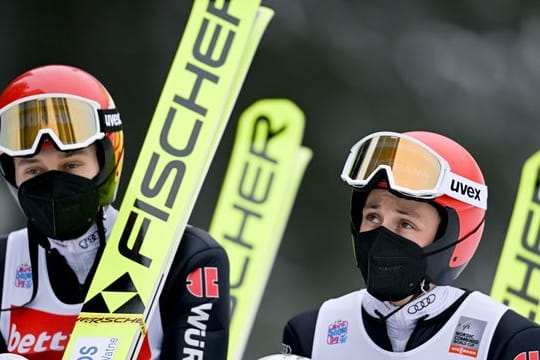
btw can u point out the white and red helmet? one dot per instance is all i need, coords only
(459, 192)
(67, 107)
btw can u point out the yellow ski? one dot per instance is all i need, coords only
(203, 83)
(517, 280)
(260, 186)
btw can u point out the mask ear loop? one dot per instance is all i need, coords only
(424, 286)
(476, 228)
(102, 239)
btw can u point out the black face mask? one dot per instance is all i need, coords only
(60, 205)
(393, 267)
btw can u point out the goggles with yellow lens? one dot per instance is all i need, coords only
(72, 122)
(412, 169)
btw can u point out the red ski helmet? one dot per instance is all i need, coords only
(459, 194)
(68, 107)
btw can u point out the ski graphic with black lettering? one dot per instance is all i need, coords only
(517, 279)
(207, 72)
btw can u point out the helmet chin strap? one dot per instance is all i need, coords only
(422, 289)
(102, 241)
(465, 237)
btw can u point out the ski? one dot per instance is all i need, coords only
(262, 179)
(207, 72)
(517, 279)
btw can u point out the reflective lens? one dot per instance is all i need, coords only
(411, 167)
(71, 122)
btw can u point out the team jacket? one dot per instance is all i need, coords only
(191, 321)
(472, 327)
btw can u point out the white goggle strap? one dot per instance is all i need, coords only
(465, 190)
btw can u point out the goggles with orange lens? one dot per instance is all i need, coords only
(412, 169)
(72, 122)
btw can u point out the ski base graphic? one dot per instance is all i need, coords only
(517, 279)
(260, 186)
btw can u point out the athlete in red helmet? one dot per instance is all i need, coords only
(61, 150)
(417, 215)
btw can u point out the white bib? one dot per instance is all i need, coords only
(340, 332)
(42, 329)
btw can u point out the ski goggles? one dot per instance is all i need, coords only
(72, 122)
(412, 169)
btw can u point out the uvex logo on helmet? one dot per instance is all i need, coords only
(465, 189)
(113, 119)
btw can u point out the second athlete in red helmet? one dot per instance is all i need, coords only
(417, 215)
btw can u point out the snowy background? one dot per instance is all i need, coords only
(468, 69)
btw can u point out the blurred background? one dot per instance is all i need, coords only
(467, 69)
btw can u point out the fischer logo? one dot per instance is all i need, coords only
(206, 285)
(464, 189)
(255, 190)
(195, 335)
(169, 167)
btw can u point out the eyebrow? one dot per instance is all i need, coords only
(372, 205)
(64, 155)
(408, 212)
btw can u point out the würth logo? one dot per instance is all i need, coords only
(464, 189)
(203, 282)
